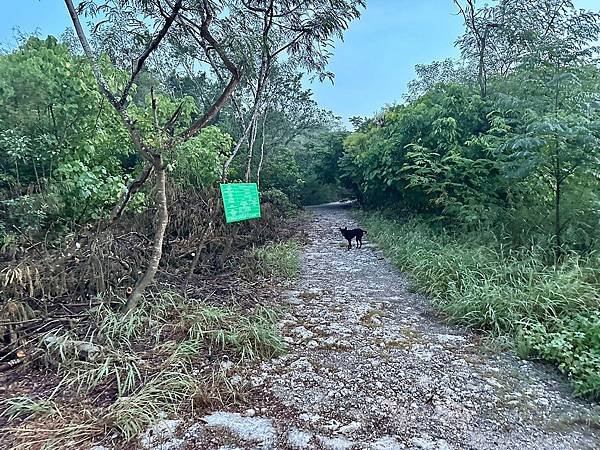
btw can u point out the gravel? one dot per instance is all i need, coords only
(370, 366)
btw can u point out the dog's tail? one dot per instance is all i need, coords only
(364, 231)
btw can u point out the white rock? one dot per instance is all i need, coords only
(302, 365)
(250, 428)
(226, 365)
(337, 443)
(386, 443)
(194, 432)
(449, 338)
(313, 418)
(161, 436)
(428, 444)
(302, 332)
(332, 425)
(443, 445)
(236, 380)
(543, 401)
(298, 439)
(423, 443)
(493, 382)
(351, 427)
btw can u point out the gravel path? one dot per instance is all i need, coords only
(370, 367)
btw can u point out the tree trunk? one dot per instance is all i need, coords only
(234, 153)
(251, 141)
(482, 75)
(557, 227)
(262, 151)
(263, 73)
(557, 198)
(159, 235)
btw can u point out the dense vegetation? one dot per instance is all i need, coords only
(120, 279)
(490, 175)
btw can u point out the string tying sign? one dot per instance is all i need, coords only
(240, 201)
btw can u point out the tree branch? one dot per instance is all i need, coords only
(102, 84)
(133, 187)
(151, 47)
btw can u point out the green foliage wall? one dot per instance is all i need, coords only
(61, 145)
(504, 161)
(65, 157)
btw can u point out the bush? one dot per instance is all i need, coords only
(505, 292)
(281, 260)
(279, 201)
(572, 343)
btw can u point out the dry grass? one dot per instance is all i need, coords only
(151, 362)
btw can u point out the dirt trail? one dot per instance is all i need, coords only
(370, 367)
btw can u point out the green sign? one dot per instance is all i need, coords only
(240, 201)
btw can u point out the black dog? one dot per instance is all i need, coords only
(351, 234)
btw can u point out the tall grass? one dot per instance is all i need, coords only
(158, 359)
(280, 260)
(483, 285)
(26, 407)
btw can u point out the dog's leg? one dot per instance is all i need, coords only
(358, 242)
(349, 244)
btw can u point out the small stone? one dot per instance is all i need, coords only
(313, 418)
(332, 425)
(337, 443)
(161, 436)
(386, 443)
(236, 380)
(302, 333)
(443, 445)
(251, 428)
(226, 365)
(351, 427)
(424, 443)
(298, 439)
(250, 412)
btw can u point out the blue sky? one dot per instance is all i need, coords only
(372, 65)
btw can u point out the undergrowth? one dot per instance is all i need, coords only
(551, 313)
(158, 360)
(280, 260)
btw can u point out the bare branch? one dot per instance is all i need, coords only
(151, 47)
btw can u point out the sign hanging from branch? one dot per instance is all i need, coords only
(240, 201)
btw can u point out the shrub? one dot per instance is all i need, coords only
(574, 344)
(280, 202)
(280, 260)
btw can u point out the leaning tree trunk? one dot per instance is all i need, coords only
(203, 35)
(159, 235)
(234, 153)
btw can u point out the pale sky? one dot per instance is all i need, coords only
(372, 65)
